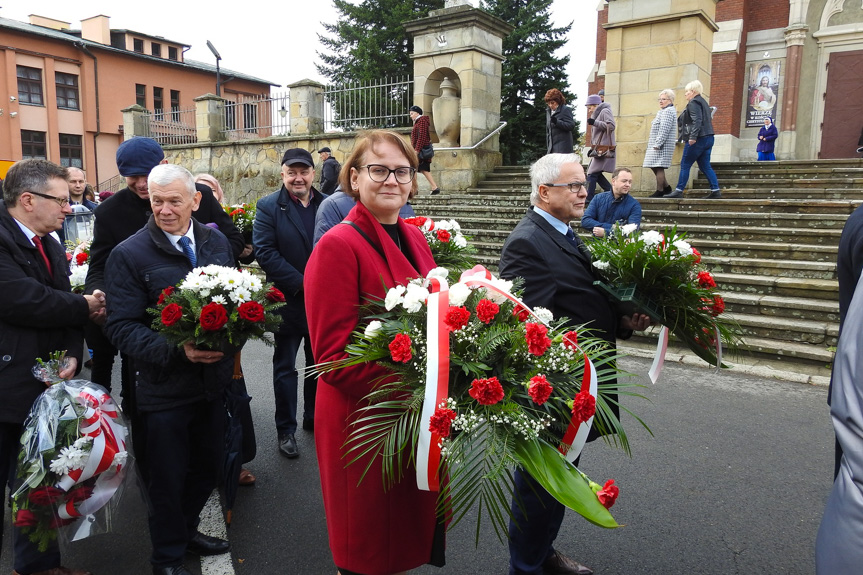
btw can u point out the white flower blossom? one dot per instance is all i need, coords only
(503, 285)
(601, 265)
(438, 273)
(372, 329)
(79, 275)
(458, 294)
(119, 459)
(394, 297)
(82, 442)
(415, 297)
(628, 229)
(543, 314)
(460, 241)
(683, 247)
(69, 458)
(219, 299)
(652, 238)
(240, 295)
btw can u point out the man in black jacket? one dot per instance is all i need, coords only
(179, 390)
(38, 315)
(330, 168)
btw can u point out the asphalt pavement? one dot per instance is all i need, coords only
(733, 479)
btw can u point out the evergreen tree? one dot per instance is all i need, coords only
(530, 69)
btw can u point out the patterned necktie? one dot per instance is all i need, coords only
(186, 244)
(38, 241)
(570, 235)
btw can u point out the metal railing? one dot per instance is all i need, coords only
(369, 105)
(261, 116)
(478, 144)
(174, 126)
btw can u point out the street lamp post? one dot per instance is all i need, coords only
(218, 73)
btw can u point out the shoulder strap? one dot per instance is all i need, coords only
(365, 237)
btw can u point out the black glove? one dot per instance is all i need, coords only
(591, 121)
(554, 118)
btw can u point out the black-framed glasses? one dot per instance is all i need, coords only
(62, 202)
(379, 173)
(574, 187)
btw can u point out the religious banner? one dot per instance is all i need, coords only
(763, 92)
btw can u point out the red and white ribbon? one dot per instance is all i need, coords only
(576, 433)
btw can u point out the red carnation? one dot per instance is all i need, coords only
(570, 340)
(237, 212)
(443, 236)
(171, 314)
(165, 293)
(705, 280)
(275, 295)
(486, 391)
(441, 421)
(251, 311)
(520, 312)
(417, 221)
(46, 495)
(213, 317)
(25, 518)
(583, 406)
(718, 305)
(400, 348)
(486, 310)
(697, 255)
(536, 335)
(539, 389)
(81, 258)
(608, 494)
(456, 318)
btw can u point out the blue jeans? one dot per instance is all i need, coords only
(285, 382)
(592, 180)
(700, 153)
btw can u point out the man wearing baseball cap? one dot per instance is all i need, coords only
(330, 168)
(282, 236)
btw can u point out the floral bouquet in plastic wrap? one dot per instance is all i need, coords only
(79, 262)
(73, 462)
(661, 275)
(482, 384)
(449, 246)
(219, 308)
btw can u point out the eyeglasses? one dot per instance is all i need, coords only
(379, 173)
(62, 202)
(574, 187)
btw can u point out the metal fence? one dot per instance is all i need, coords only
(261, 116)
(175, 126)
(363, 106)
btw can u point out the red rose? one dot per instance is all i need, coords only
(81, 258)
(251, 311)
(213, 317)
(443, 236)
(275, 295)
(486, 310)
(79, 494)
(536, 335)
(456, 318)
(25, 518)
(539, 389)
(718, 305)
(171, 314)
(697, 255)
(45, 495)
(400, 348)
(417, 221)
(521, 312)
(486, 391)
(608, 494)
(165, 293)
(705, 280)
(441, 421)
(570, 340)
(584, 406)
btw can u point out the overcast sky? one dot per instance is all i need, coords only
(275, 41)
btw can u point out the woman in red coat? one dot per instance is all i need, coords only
(372, 531)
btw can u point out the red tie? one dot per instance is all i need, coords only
(38, 241)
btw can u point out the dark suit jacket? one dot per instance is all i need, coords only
(282, 248)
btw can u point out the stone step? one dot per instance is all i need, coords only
(744, 233)
(766, 250)
(742, 181)
(749, 219)
(833, 207)
(777, 306)
(821, 289)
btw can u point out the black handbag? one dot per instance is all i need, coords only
(426, 153)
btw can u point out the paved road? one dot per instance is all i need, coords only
(733, 480)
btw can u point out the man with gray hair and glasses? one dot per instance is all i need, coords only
(38, 315)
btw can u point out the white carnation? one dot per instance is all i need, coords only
(458, 294)
(415, 297)
(502, 285)
(372, 329)
(601, 265)
(119, 459)
(459, 241)
(683, 247)
(438, 272)
(543, 314)
(652, 238)
(394, 297)
(628, 229)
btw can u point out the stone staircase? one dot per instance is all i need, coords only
(771, 242)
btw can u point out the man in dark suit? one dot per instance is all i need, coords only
(179, 391)
(283, 239)
(38, 315)
(557, 274)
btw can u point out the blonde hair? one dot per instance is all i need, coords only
(695, 86)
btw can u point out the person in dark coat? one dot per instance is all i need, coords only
(603, 144)
(557, 273)
(696, 129)
(179, 390)
(283, 238)
(38, 315)
(767, 141)
(330, 169)
(421, 137)
(558, 123)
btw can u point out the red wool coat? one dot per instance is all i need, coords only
(371, 531)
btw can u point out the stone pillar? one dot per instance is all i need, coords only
(135, 122)
(210, 118)
(795, 36)
(307, 107)
(464, 44)
(652, 46)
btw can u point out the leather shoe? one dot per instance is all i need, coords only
(559, 564)
(175, 570)
(674, 194)
(201, 544)
(309, 424)
(657, 194)
(713, 195)
(288, 446)
(60, 571)
(246, 478)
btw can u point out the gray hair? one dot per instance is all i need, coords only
(30, 176)
(546, 170)
(165, 174)
(668, 93)
(695, 86)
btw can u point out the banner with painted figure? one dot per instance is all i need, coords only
(763, 93)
